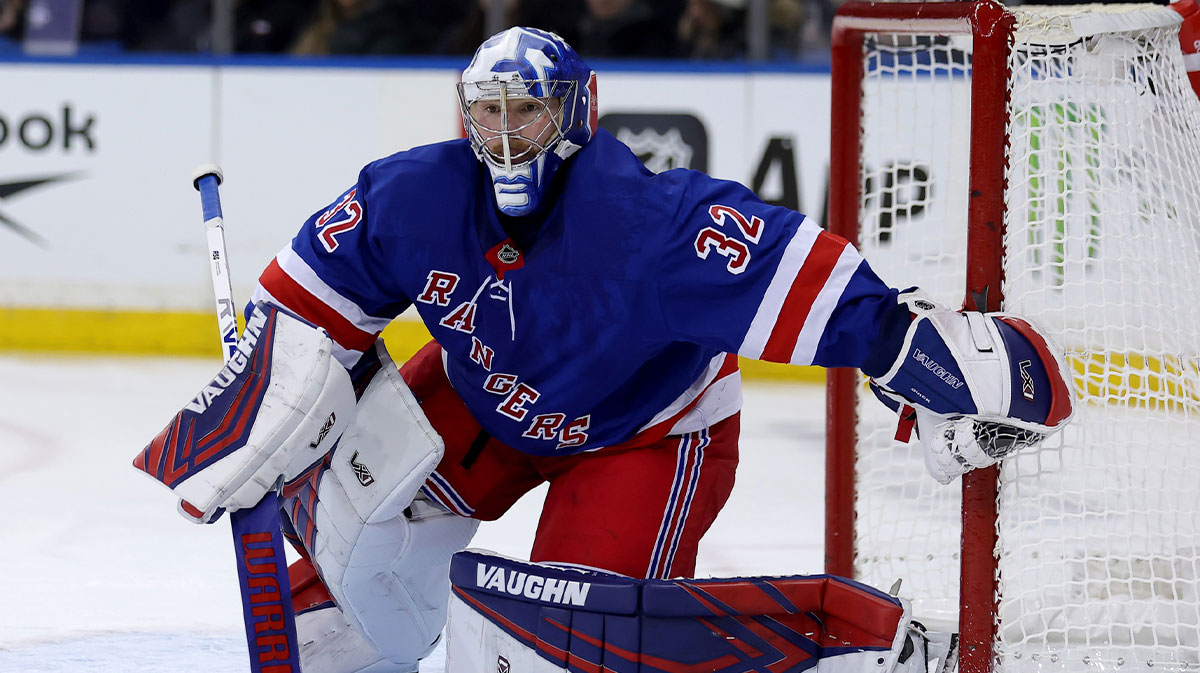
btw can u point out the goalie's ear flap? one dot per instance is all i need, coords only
(1041, 381)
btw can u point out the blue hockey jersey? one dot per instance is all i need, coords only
(617, 320)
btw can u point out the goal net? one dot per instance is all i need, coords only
(1045, 160)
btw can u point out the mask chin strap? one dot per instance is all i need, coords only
(516, 193)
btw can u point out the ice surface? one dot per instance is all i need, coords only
(99, 574)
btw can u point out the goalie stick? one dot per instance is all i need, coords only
(257, 538)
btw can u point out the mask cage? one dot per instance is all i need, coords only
(540, 90)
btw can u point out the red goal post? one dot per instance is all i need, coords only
(1043, 160)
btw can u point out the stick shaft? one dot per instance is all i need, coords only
(214, 225)
(257, 540)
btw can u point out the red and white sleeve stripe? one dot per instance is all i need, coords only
(807, 286)
(291, 283)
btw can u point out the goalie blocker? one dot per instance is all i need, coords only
(538, 618)
(278, 404)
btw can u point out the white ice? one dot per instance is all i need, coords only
(98, 573)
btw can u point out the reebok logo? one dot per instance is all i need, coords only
(535, 587)
(16, 187)
(937, 370)
(1026, 379)
(236, 365)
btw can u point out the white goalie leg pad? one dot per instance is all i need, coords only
(280, 403)
(393, 606)
(330, 644)
(386, 571)
(515, 615)
(540, 618)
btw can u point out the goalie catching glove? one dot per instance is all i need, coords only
(278, 405)
(979, 386)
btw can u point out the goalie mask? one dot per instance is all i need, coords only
(528, 103)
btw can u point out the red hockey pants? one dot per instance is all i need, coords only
(637, 511)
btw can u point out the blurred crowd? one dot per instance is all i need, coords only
(628, 29)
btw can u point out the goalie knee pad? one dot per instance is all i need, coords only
(391, 604)
(279, 403)
(383, 557)
(538, 618)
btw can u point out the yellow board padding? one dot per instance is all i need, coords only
(1164, 380)
(1143, 380)
(194, 334)
(109, 332)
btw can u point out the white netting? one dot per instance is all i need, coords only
(916, 130)
(1099, 529)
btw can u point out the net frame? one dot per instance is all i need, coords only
(990, 30)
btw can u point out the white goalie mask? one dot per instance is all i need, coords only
(528, 103)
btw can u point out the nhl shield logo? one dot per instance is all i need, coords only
(658, 151)
(504, 257)
(661, 141)
(502, 665)
(508, 253)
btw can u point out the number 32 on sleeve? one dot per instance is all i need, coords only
(733, 249)
(330, 230)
